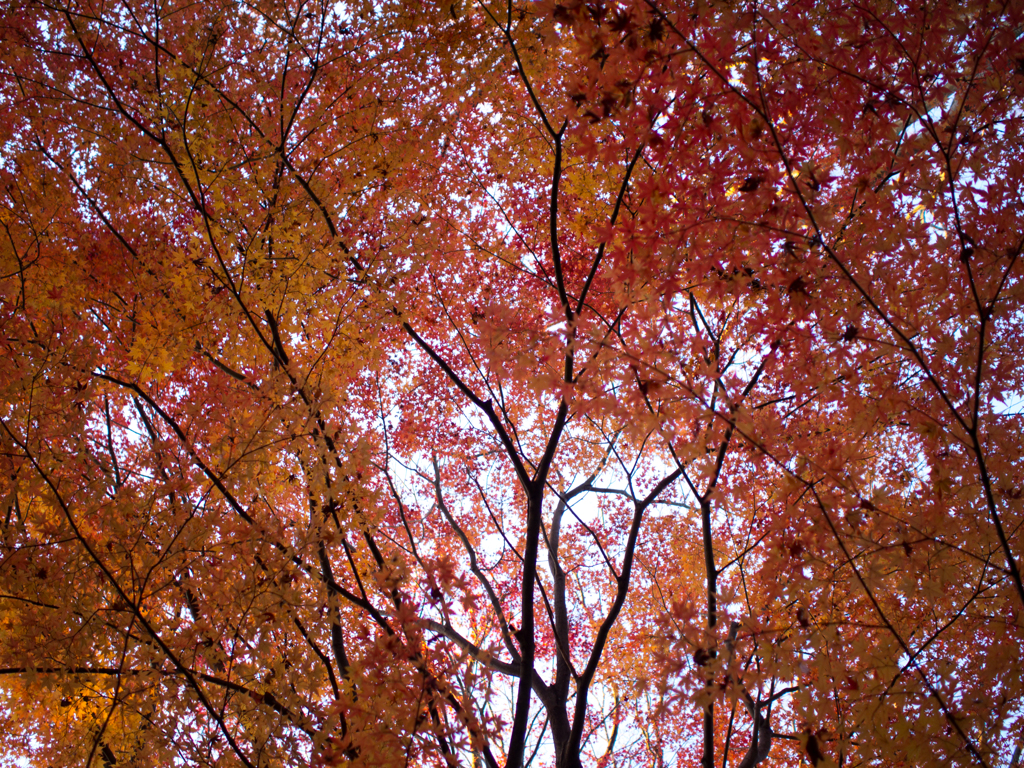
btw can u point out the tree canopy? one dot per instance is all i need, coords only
(512, 383)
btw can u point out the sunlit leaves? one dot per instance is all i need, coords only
(324, 324)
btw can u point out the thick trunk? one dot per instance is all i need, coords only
(525, 635)
(707, 759)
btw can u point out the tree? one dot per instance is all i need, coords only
(568, 383)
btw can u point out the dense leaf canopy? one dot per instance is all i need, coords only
(579, 384)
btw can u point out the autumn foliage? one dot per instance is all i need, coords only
(559, 383)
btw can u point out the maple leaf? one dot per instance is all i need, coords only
(376, 375)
